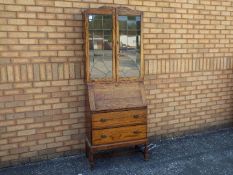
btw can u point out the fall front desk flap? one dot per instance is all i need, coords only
(116, 96)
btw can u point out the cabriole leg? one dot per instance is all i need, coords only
(146, 152)
(86, 148)
(91, 158)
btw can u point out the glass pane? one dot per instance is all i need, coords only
(138, 22)
(123, 22)
(100, 45)
(131, 23)
(129, 46)
(107, 21)
(107, 42)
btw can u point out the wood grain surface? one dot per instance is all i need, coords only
(119, 118)
(121, 134)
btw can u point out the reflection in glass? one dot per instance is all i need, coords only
(100, 46)
(129, 46)
(122, 22)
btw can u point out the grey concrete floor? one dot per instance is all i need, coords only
(207, 154)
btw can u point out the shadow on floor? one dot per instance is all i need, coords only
(205, 154)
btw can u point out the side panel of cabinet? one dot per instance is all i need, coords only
(88, 120)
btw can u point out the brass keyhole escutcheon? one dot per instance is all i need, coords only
(137, 132)
(103, 120)
(103, 136)
(136, 116)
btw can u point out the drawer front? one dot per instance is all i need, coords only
(122, 134)
(119, 118)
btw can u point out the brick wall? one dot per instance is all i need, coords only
(188, 49)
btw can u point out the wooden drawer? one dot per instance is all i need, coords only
(121, 134)
(116, 119)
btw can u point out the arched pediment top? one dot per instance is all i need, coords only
(112, 10)
(127, 11)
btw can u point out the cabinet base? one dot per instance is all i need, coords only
(91, 149)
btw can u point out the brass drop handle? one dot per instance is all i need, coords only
(103, 136)
(136, 116)
(136, 132)
(103, 120)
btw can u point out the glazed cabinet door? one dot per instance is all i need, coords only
(100, 45)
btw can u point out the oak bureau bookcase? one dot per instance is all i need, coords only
(117, 110)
